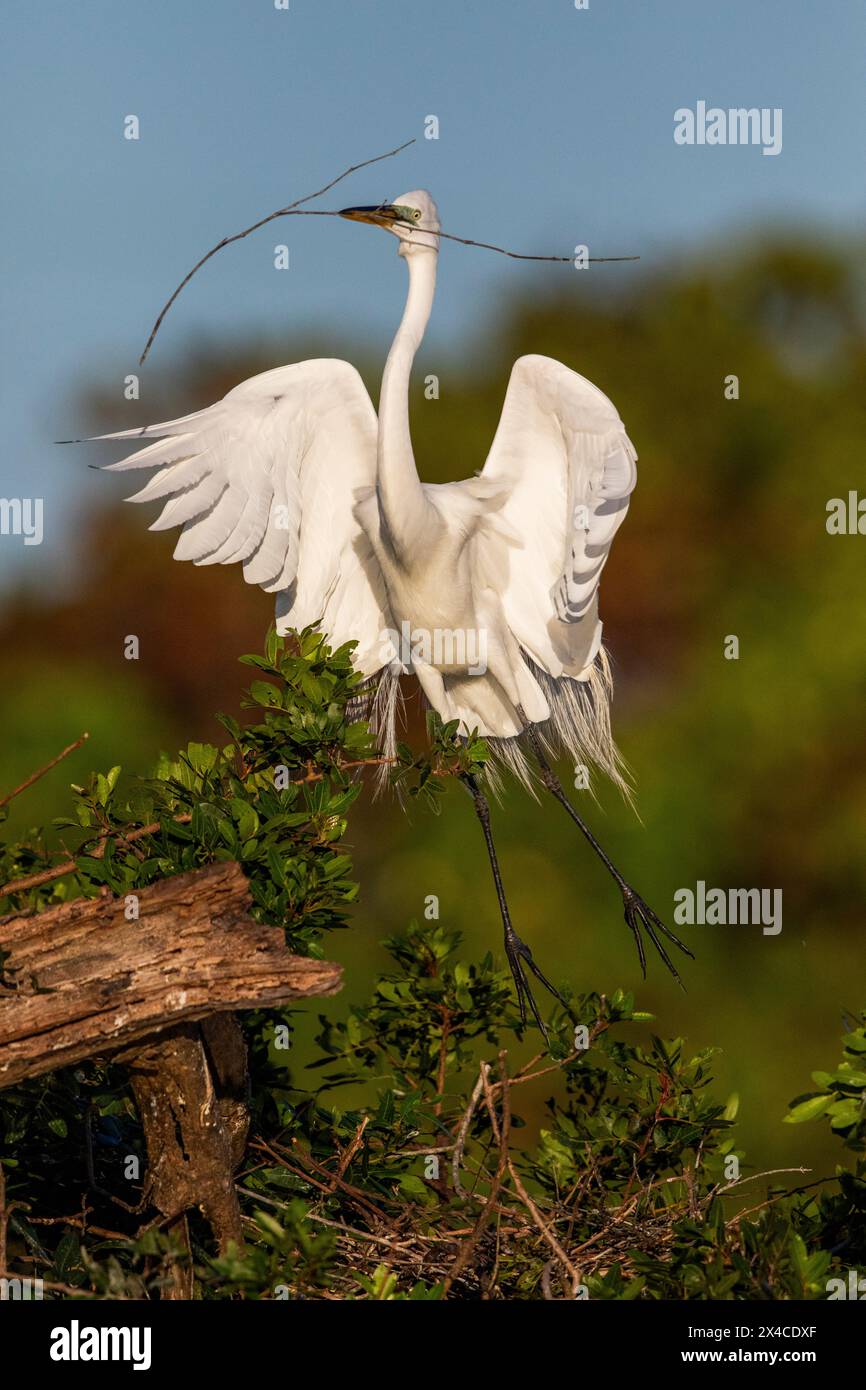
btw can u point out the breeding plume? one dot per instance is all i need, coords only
(494, 579)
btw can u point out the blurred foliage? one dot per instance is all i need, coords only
(629, 1193)
(274, 798)
(418, 1194)
(841, 1098)
(748, 772)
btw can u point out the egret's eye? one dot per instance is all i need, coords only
(416, 213)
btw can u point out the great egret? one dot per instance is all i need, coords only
(495, 579)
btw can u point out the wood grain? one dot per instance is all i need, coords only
(86, 982)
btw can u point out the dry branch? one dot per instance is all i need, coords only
(296, 209)
(292, 208)
(41, 771)
(80, 980)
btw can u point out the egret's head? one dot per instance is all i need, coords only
(412, 218)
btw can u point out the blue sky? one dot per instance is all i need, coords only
(556, 126)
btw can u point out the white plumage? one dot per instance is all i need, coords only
(486, 590)
(269, 478)
(292, 476)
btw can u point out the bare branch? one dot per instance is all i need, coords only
(502, 1133)
(296, 209)
(462, 1132)
(522, 255)
(40, 772)
(281, 212)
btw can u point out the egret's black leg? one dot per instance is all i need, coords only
(518, 953)
(638, 914)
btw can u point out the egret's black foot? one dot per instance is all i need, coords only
(639, 915)
(519, 955)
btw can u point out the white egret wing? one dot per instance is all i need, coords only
(567, 470)
(269, 477)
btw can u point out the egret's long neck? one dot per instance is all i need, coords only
(402, 499)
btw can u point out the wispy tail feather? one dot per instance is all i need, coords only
(380, 701)
(578, 727)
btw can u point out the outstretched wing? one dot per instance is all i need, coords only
(269, 477)
(567, 469)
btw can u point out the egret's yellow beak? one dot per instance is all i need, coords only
(380, 215)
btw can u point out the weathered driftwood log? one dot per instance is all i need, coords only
(156, 994)
(86, 982)
(190, 1085)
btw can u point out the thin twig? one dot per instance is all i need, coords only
(352, 1232)
(360, 1198)
(780, 1197)
(350, 1150)
(348, 1232)
(20, 885)
(522, 255)
(80, 1222)
(281, 212)
(40, 772)
(70, 866)
(753, 1177)
(296, 209)
(488, 1094)
(600, 1026)
(462, 1131)
(543, 1227)
(503, 1133)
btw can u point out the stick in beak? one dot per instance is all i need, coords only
(379, 215)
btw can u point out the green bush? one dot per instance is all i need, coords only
(422, 1186)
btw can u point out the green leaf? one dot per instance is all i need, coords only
(808, 1110)
(845, 1113)
(245, 817)
(264, 693)
(202, 756)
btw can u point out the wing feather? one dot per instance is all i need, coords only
(269, 477)
(562, 457)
